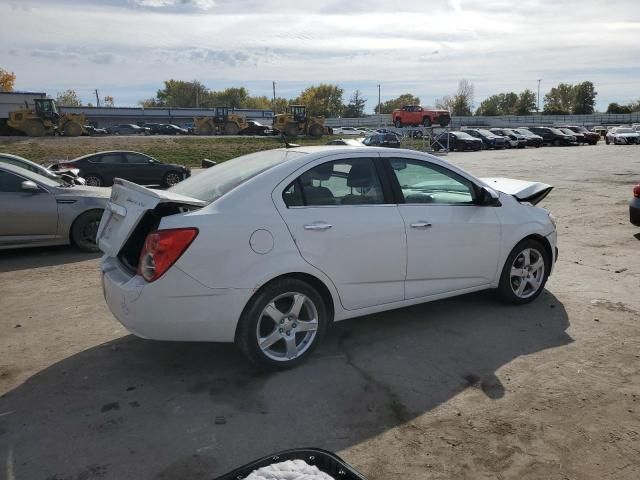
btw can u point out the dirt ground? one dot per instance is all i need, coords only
(465, 388)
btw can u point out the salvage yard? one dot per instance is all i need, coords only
(461, 388)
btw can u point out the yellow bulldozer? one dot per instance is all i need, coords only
(45, 119)
(296, 122)
(220, 123)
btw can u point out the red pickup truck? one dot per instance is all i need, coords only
(415, 115)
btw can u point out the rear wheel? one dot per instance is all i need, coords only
(525, 273)
(231, 128)
(171, 178)
(34, 128)
(398, 123)
(426, 121)
(205, 129)
(72, 129)
(93, 180)
(316, 130)
(282, 324)
(84, 230)
(291, 130)
(557, 142)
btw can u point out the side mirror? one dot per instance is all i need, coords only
(489, 197)
(30, 186)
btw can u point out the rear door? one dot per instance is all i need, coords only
(29, 214)
(452, 243)
(345, 224)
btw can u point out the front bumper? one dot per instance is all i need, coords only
(174, 307)
(634, 211)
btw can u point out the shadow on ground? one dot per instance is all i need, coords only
(134, 409)
(26, 258)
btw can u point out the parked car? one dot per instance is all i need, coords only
(489, 139)
(589, 137)
(130, 129)
(348, 131)
(92, 131)
(388, 140)
(553, 136)
(459, 141)
(99, 169)
(622, 136)
(154, 128)
(171, 129)
(513, 138)
(579, 137)
(634, 206)
(248, 252)
(600, 130)
(414, 115)
(66, 175)
(533, 140)
(36, 210)
(256, 128)
(353, 142)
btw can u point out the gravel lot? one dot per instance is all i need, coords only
(462, 388)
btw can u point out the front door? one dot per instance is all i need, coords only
(347, 227)
(452, 243)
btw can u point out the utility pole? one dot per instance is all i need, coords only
(379, 120)
(538, 97)
(97, 98)
(274, 98)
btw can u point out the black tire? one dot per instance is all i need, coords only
(557, 143)
(247, 333)
(291, 130)
(316, 130)
(33, 128)
(231, 128)
(398, 123)
(84, 229)
(72, 129)
(426, 121)
(508, 283)
(93, 180)
(171, 178)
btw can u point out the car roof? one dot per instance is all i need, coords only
(109, 151)
(17, 157)
(22, 171)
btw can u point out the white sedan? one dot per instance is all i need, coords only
(622, 136)
(348, 131)
(268, 249)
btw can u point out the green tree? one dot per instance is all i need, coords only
(526, 102)
(584, 101)
(7, 80)
(395, 103)
(324, 99)
(617, 108)
(560, 100)
(509, 103)
(68, 98)
(178, 93)
(461, 103)
(635, 106)
(355, 107)
(108, 101)
(491, 106)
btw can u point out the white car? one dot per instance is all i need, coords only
(348, 131)
(622, 136)
(266, 250)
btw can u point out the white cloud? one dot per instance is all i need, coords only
(131, 46)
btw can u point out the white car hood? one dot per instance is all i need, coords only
(524, 191)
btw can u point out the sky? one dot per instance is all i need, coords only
(127, 48)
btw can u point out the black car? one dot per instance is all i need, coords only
(130, 129)
(171, 129)
(459, 141)
(514, 139)
(589, 137)
(489, 139)
(99, 169)
(553, 136)
(91, 130)
(634, 207)
(154, 128)
(256, 128)
(533, 140)
(382, 140)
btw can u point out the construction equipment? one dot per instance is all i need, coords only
(44, 119)
(220, 123)
(296, 122)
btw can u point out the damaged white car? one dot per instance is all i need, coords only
(268, 249)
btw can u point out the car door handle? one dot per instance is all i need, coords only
(318, 226)
(421, 224)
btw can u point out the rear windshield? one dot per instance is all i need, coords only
(216, 181)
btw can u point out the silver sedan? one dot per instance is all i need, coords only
(37, 210)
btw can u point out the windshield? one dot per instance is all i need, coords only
(523, 131)
(556, 131)
(625, 130)
(463, 136)
(486, 133)
(220, 179)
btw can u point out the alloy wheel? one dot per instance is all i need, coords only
(527, 273)
(172, 179)
(92, 181)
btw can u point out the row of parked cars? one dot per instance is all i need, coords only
(253, 128)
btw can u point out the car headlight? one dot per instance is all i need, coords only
(553, 220)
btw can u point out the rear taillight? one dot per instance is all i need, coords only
(162, 249)
(636, 191)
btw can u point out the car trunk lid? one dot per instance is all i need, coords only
(128, 204)
(522, 190)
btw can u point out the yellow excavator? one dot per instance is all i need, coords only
(45, 119)
(296, 122)
(220, 123)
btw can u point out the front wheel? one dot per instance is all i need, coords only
(93, 180)
(426, 122)
(84, 230)
(398, 124)
(282, 324)
(170, 179)
(525, 273)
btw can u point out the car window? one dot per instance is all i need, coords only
(110, 158)
(135, 158)
(352, 181)
(19, 163)
(423, 182)
(10, 183)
